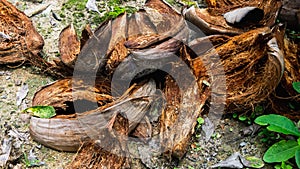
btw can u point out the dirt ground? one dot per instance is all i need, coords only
(227, 139)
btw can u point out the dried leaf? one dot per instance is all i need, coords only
(91, 5)
(208, 128)
(21, 94)
(231, 162)
(5, 151)
(236, 160)
(36, 10)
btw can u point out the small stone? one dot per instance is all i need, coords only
(243, 144)
(3, 97)
(7, 77)
(18, 82)
(39, 146)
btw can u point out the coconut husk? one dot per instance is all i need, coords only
(251, 64)
(143, 130)
(19, 40)
(107, 152)
(285, 100)
(68, 130)
(113, 39)
(179, 118)
(211, 20)
(86, 34)
(69, 46)
(63, 93)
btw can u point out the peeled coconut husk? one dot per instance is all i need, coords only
(19, 41)
(179, 118)
(253, 67)
(70, 128)
(107, 152)
(286, 100)
(113, 40)
(211, 20)
(69, 46)
(63, 93)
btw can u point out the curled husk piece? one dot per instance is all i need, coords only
(67, 132)
(212, 20)
(285, 100)
(62, 94)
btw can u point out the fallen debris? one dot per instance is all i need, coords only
(6, 147)
(21, 94)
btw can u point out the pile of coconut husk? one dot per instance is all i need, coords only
(145, 78)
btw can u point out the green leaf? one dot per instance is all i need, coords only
(297, 158)
(255, 162)
(281, 151)
(296, 86)
(200, 120)
(242, 117)
(258, 109)
(285, 166)
(277, 166)
(44, 112)
(278, 123)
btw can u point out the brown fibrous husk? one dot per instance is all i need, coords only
(25, 43)
(286, 100)
(251, 71)
(69, 46)
(211, 20)
(107, 152)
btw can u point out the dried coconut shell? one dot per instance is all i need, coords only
(211, 19)
(69, 46)
(285, 100)
(60, 94)
(21, 41)
(66, 132)
(179, 118)
(252, 65)
(107, 152)
(113, 39)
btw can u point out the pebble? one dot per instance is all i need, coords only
(18, 82)
(3, 97)
(242, 144)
